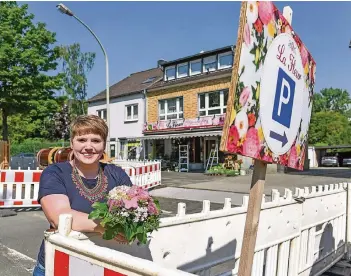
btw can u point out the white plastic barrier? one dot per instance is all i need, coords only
(19, 188)
(300, 234)
(146, 174)
(66, 255)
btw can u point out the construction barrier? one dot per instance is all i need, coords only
(66, 256)
(146, 174)
(302, 234)
(19, 188)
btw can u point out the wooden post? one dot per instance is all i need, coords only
(255, 202)
(252, 218)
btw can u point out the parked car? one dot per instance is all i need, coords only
(331, 159)
(24, 160)
(346, 161)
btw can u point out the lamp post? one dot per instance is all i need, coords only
(63, 9)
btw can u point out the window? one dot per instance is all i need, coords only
(210, 64)
(131, 112)
(102, 113)
(170, 73)
(212, 103)
(182, 70)
(225, 60)
(171, 109)
(195, 67)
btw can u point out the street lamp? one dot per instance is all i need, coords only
(63, 9)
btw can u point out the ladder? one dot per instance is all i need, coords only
(213, 155)
(183, 158)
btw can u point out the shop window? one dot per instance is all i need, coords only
(171, 109)
(212, 103)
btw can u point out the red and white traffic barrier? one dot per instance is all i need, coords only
(20, 176)
(146, 174)
(19, 194)
(19, 188)
(67, 256)
(68, 265)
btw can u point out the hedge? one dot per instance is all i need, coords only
(34, 145)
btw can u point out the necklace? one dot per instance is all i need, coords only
(95, 193)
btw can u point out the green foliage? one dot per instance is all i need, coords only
(34, 145)
(332, 99)
(75, 66)
(330, 123)
(26, 54)
(329, 128)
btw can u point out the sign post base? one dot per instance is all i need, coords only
(252, 218)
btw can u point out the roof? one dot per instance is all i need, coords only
(187, 80)
(134, 83)
(201, 54)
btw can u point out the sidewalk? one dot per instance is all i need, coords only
(197, 186)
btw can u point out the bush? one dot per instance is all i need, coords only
(34, 145)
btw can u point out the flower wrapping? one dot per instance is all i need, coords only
(130, 211)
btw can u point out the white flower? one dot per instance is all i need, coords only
(252, 12)
(242, 123)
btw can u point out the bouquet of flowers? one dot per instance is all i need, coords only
(130, 211)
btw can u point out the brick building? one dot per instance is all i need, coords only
(185, 110)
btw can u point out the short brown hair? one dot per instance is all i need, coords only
(86, 124)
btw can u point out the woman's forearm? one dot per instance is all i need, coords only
(82, 223)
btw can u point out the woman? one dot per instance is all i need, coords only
(72, 187)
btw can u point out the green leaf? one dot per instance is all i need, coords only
(95, 214)
(109, 234)
(100, 205)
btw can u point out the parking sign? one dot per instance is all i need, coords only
(281, 97)
(270, 100)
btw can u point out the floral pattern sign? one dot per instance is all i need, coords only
(261, 25)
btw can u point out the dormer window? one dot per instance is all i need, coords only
(195, 67)
(170, 73)
(210, 64)
(225, 60)
(182, 70)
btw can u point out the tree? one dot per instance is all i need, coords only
(329, 128)
(61, 122)
(26, 54)
(37, 122)
(332, 99)
(76, 65)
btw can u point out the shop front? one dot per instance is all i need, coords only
(194, 149)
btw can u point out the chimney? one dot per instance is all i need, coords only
(160, 62)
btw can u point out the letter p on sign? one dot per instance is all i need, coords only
(284, 99)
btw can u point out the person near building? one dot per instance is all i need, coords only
(72, 187)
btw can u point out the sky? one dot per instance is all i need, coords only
(137, 34)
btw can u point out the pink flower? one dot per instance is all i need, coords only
(265, 11)
(139, 192)
(132, 203)
(152, 209)
(233, 139)
(304, 55)
(251, 145)
(245, 94)
(114, 203)
(293, 159)
(247, 35)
